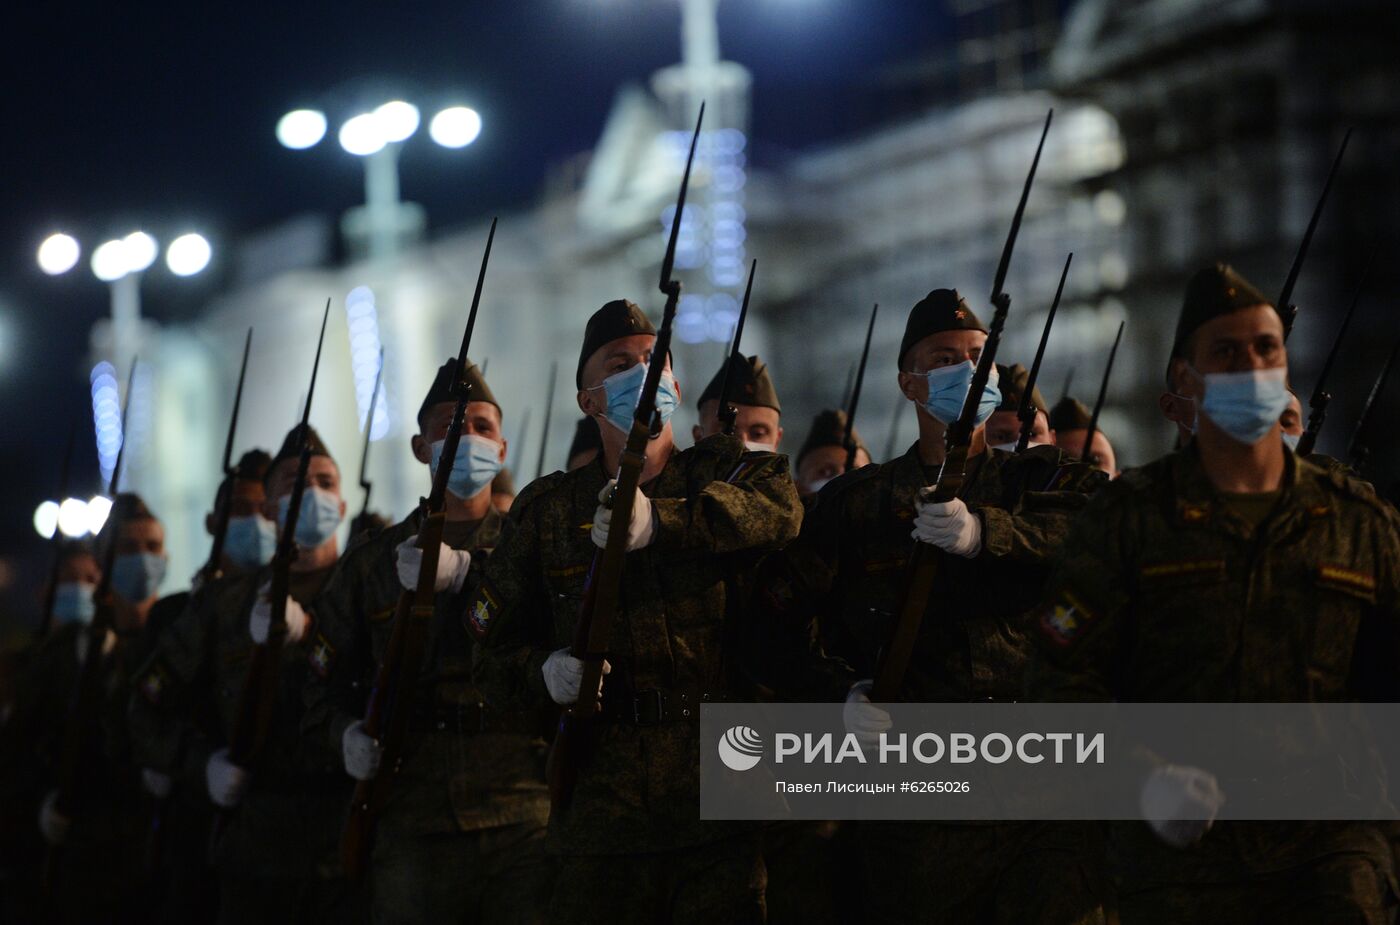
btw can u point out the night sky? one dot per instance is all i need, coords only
(161, 115)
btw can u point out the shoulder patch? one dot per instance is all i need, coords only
(153, 683)
(1063, 620)
(482, 609)
(321, 657)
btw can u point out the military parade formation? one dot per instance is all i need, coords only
(486, 709)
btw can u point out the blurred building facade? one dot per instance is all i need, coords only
(1183, 130)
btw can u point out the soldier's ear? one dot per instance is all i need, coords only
(502, 455)
(695, 432)
(585, 403)
(907, 382)
(421, 451)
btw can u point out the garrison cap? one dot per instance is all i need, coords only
(940, 310)
(291, 447)
(1070, 414)
(828, 429)
(749, 384)
(617, 319)
(441, 389)
(1213, 291)
(586, 437)
(1012, 384)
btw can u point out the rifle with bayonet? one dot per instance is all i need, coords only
(1026, 411)
(224, 503)
(51, 589)
(923, 565)
(603, 586)
(848, 441)
(1321, 398)
(361, 521)
(548, 413)
(80, 728)
(257, 700)
(390, 701)
(1359, 450)
(728, 414)
(1087, 448)
(1286, 309)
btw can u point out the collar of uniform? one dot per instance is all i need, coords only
(1198, 502)
(907, 477)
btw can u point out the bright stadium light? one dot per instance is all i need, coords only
(98, 507)
(58, 254)
(46, 519)
(455, 127)
(301, 129)
(362, 135)
(72, 518)
(109, 261)
(188, 254)
(141, 251)
(397, 120)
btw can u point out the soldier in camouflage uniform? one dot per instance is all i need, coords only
(100, 850)
(758, 421)
(845, 574)
(461, 838)
(1069, 423)
(633, 848)
(275, 854)
(1003, 429)
(823, 454)
(1230, 570)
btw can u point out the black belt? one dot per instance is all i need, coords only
(653, 706)
(466, 719)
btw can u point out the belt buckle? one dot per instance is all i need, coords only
(652, 695)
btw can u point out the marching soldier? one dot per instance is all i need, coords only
(1069, 423)
(631, 844)
(1229, 570)
(751, 393)
(461, 838)
(1004, 427)
(100, 847)
(996, 539)
(275, 855)
(823, 454)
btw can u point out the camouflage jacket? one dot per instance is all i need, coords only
(450, 780)
(712, 503)
(1162, 593)
(843, 580)
(185, 706)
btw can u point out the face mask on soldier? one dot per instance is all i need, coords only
(1245, 405)
(319, 518)
(137, 576)
(947, 390)
(624, 390)
(760, 447)
(72, 602)
(476, 464)
(250, 541)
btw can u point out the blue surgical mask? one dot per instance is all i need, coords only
(137, 576)
(72, 602)
(250, 541)
(624, 389)
(1245, 405)
(1291, 441)
(947, 390)
(319, 518)
(477, 462)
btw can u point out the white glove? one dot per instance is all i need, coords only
(639, 532)
(863, 719)
(53, 824)
(260, 620)
(1180, 803)
(157, 784)
(360, 751)
(226, 781)
(949, 525)
(451, 570)
(562, 675)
